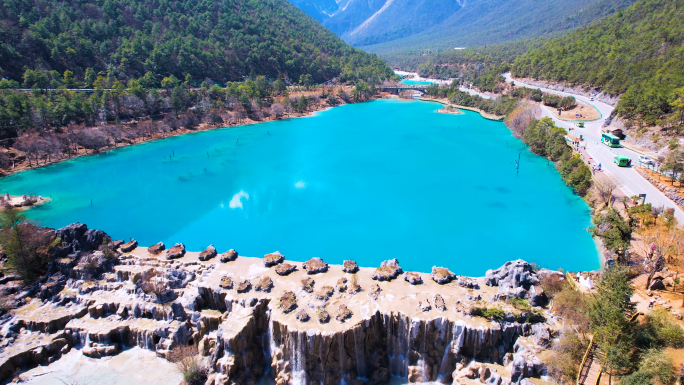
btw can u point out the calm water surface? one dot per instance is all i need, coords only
(416, 82)
(371, 181)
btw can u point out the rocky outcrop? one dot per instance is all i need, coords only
(315, 266)
(208, 253)
(273, 259)
(156, 249)
(176, 251)
(413, 278)
(229, 256)
(285, 269)
(442, 275)
(350, 267)
(80, 238)
(512, 275)
(388, 270)
(129, 246)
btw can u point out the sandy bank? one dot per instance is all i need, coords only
(448, 104)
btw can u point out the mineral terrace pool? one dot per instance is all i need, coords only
(369, 182)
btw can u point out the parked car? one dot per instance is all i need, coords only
(646, 160)
(591, 99)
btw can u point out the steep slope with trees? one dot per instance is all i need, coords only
(219, 40)
(638, 53)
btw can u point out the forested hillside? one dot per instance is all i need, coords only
(638, 52)
(223, 40)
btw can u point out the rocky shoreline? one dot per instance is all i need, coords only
(314, 324)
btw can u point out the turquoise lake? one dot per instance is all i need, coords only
(369, 182)
(416, 82)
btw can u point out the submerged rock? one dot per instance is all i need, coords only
(350, 267)
(285, 269)
(442, 275)
(273, 259)
(413, 278)
(156, 249)
(387, 271)
(129, 246)
(208, 253)
(315, 266)
(176, 251)
(229, 256)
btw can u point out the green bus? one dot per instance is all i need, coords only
(610, 140)
(622, 161)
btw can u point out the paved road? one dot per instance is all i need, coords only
(626, 178)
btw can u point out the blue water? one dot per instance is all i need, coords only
(416, 82)
(371, 181)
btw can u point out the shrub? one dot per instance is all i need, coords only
(520, 304)
(27, 245)
(655, 368)
(189, 363)
(566, 357)
(666, 330)
(489, 313)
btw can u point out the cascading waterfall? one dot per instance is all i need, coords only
(298, 344)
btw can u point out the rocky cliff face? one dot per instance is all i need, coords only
(378, 331)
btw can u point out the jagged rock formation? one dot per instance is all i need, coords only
(388, 270)
(104, 305)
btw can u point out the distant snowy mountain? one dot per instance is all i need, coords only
(391, 25)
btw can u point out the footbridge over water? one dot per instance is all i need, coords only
(395, 90)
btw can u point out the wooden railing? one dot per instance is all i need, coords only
(582, 371)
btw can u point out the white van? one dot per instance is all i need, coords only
(646, 160)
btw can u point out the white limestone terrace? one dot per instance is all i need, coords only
(374, 330)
